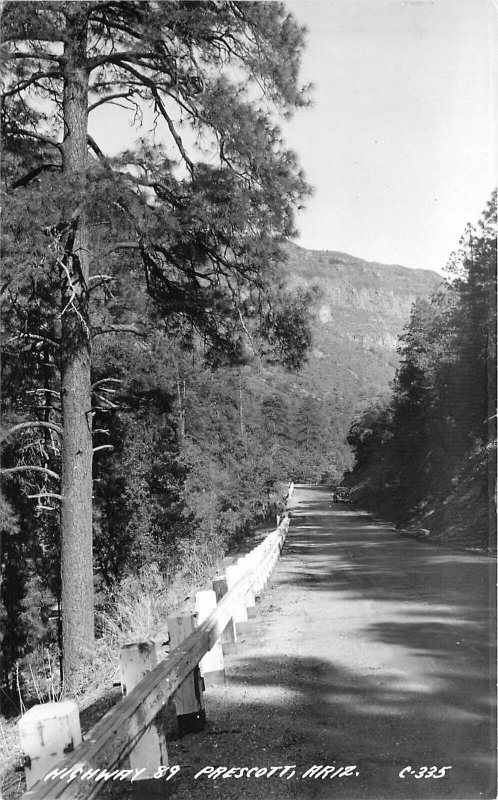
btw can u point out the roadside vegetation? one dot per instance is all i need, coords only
(152, 411)
(426, 454)
(136, 289)
(148, 330)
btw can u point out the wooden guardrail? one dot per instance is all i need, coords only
(81, 773)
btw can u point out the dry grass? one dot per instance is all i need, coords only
(11, 782)
(40, 683)
(138, 611)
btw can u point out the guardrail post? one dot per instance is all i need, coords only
(229, 635)
(259, 583)
(136, 659)
(189, 701)
(274, 558)
(212, 666)
(257, 586)
(249, 601)
(47, 732)
(239, 609)
(265, 571)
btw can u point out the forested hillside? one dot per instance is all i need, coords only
(426, 455)
(359, 311)
(137, 291)
(194, 452)
(155, 317)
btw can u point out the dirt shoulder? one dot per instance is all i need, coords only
(370, 654)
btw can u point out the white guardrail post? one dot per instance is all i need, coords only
(229, 635)
(189, 699)
(50, 732)
(212, 666)
(136, 659)
(239, 611)
(245, 565)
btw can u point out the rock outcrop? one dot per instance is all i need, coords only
(361, 309)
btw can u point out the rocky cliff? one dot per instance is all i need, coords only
(361, 309)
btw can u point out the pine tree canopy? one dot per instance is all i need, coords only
(201, 203)
(192, 216)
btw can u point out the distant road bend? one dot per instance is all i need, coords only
(369, 650)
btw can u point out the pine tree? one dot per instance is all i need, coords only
(199, 230)
(434, 441)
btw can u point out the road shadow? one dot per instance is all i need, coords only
(426, 700)
(304, 711)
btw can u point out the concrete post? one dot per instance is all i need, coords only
(239, 609)
(48, 731)
(229, 635)
(245, 565)
(212, 666)
(189, 701)
(136, 659)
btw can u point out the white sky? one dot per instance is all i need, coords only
(401, 142)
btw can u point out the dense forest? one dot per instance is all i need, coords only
(160, 379)
(145, 309)
(149, 420)
(426, 454)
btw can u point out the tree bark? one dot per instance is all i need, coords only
(76, 506)
(242, 427)
(491, 430)
(180, 393)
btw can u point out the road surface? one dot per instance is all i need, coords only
(371, 654)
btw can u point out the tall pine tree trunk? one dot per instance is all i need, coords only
(180, 394)
(76, 509)
(242, 426)
(491, 427)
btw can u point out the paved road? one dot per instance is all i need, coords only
(369, 651)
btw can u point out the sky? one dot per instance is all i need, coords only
(400, 144)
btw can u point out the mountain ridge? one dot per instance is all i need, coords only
(360, 310)
(340, 255)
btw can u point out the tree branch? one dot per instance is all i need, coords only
(30, 81)
(116, 25)
(44, 56)
(108, 403)
(123, 246)
(43, 390)
(93, 144)
(103, 280)
(45, 494)
(118, 58)
(34, 424)
(36, 337)
(247, 332)
(110, 97)
(30, 468)
(106, 380)
(162, 110)
(119, 329)
(40, 136)
(33, 174)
